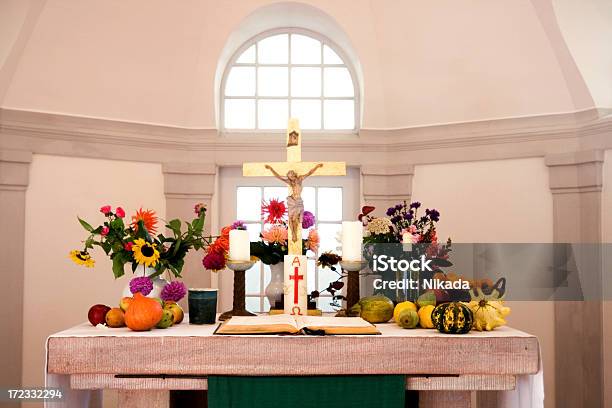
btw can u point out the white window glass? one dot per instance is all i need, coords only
(305, 50)
(240, 82)
(254, 230)
(272, 81)
(308, 196)
(280, 193)
(337, 82)
(252, 277)
(273, 50)
(330, 57)
(305, 81)
(329, 235)
(308, 111)
(339, 114)
(248, 56)
(239, 113)
(302, 73)
(248, 201)
(330, 204)
(253, 303)
(272, 113)
(321, 201)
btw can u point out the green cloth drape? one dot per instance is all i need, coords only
(358, 391)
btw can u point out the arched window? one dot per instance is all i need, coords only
(289, 73)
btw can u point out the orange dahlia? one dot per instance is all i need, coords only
(148, 218)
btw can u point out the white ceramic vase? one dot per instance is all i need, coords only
(158, 283)
(275, 289)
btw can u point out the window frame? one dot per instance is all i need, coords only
(312, 256)
(300, 31)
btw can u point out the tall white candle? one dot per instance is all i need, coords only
(240, 246)
(352, 238)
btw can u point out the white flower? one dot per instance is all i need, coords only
(379, 226)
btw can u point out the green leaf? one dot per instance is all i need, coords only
(85, 225)
(118, 266)
(117, 224)
(175, 226)
(134, 266)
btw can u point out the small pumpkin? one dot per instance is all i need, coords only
(452, 318)
(143, 314)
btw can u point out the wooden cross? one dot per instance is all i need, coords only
(294, 162)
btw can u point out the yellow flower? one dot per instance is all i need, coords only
(145, 252)
(82, 258)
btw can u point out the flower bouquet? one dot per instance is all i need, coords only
(273, 243)
(137, 243)
(408, 235)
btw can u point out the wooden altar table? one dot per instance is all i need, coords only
(144, 366)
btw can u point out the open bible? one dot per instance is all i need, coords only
(289, 324)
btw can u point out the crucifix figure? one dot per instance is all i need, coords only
(295, 204)
(293, 172)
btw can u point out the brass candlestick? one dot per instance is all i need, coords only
(352, 269)
(239, 302)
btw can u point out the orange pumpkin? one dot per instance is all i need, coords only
(143, 314)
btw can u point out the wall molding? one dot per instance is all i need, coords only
(57, 134)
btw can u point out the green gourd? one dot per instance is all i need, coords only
(452, 318)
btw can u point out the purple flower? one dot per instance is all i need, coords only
(390, 211)
(408, 216)
(141, 284)
(174, 291)
(433, 214)
(308, 220)
(238, 224)
(415, 205)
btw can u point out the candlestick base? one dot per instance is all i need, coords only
(352, 282)
(239, 302)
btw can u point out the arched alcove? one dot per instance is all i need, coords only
(287, 15)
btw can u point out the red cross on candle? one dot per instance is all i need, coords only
(297, 278)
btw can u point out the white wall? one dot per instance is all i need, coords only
(155, 61)
(587, 28)
(497, 201)
(58, 293)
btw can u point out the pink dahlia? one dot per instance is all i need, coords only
(141, 284)
(174, 291)
(275, 235)
(313, 240)
(214, 261)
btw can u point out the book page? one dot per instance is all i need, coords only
(262, 320)
(262, 324)
(330, 322)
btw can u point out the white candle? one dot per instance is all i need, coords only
(240, 246)
(352, 238)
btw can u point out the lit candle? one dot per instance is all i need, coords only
(240, 246)
(352, 238)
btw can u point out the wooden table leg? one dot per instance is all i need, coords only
(487, 399)
(144, 398)
(442, 399)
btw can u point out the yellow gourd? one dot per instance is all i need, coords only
(488, 314)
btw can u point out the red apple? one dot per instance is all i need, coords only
(97, 314)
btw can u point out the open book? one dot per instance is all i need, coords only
(289, 324)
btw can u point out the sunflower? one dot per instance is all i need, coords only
(82, 258)
(148, 218)
(145, 252)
